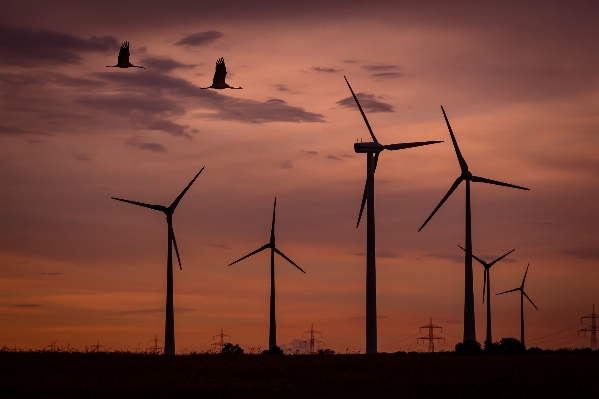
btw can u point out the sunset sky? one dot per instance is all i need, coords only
(519, 82)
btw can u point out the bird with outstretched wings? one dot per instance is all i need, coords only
(220, 72)
(123, 60)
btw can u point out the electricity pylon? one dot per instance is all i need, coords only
(52, 346)
(312, 340)
(220, 343)
(97, 347)
(431, 337)
(155, 348)
(592, 329)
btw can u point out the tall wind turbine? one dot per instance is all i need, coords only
(169, 329)
(487, 286)
(272, 332)
(522, 295)
(466, 175)
(372, 150)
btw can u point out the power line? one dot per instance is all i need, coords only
(401, 340)
(565, 342)
(338, 343)
(545, 336)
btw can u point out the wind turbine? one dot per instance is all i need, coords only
(466, 175)
(487, 285)
(522, 295)
(272, 332)
(372, 151)
(169, 329)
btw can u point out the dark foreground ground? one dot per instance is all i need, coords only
(69, 375)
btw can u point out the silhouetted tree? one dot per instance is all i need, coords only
(468, 347)
(491, 347)
(229, 348)
(511, 345)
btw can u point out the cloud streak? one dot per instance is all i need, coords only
(368, 102)
(26, 47)
(200, 39)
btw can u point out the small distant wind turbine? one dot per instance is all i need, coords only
(169, 330)
(522, 295)
(466, 175)
(218, 82)
(123, 61)
(487, 286)
(272, 334)
(372, 150)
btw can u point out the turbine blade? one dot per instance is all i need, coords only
(530, 300)
(485, 283)
(479, 179)
(361, 111)
(155, 207)
(272, 229)
(525, 273)
(501, 257)
(451, 190)
(176, 201)
(482, 262)
(176, 249)
(402, 146)
(461, 160)
(376, 161)
(505, 292)
(262, 248)
(363, 203)
(288, 260)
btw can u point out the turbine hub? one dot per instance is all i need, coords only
(467, 175)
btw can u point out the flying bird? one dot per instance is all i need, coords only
(124, 58)
(218, 82)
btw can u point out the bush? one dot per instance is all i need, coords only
(326, 352)
(469, 347)
(232, 349)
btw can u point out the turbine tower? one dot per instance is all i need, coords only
(372, 151)
(466, 175)
(487, 286)
(272, 334)
(522, 295)
(169, 329)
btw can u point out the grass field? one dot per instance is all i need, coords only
(124, 375)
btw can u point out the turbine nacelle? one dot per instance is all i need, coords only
(371, 147)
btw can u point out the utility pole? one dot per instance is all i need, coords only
(431, 337)
(220, 343)
(312, 340)
(97, 347)
(592, 329)
(155, 348)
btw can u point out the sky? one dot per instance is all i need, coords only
(518, 80)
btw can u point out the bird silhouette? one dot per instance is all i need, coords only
(218, 82)
(123, 61)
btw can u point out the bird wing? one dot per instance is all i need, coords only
(124, 53)
(220, 72)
